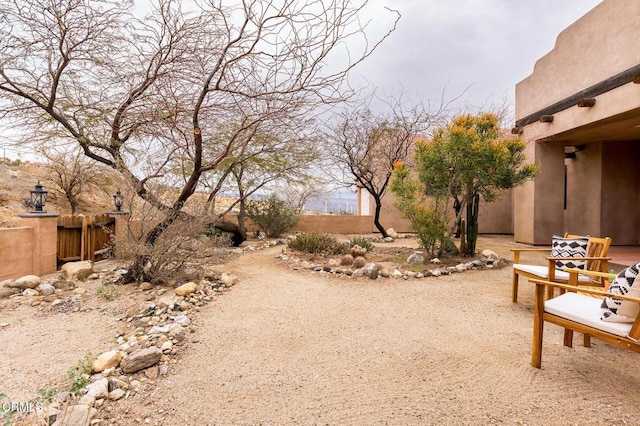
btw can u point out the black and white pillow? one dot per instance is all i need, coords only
(623, 283)
(569, 247)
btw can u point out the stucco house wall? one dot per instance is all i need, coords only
(594, 148)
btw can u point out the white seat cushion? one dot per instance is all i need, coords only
(543, 272)
(585, 310)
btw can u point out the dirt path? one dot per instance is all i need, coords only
(292, 347)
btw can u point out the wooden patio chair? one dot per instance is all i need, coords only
(577, 310)
(595, 260)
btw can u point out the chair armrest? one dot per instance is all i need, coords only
(517, 251)
(531, 249)
(584, 290)
(597, 274)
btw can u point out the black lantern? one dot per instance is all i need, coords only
(38, 198)
(117, 200)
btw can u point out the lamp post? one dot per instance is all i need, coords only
(117, 201)
(38, 198)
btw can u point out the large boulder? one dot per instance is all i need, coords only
(77, 270)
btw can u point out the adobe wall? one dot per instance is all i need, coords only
(493, 218)
(336, 224)
(621, 193)
(45, 230)
(582, 56)
(16, 249)
(595, 48)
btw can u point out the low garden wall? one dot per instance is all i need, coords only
(16, 252)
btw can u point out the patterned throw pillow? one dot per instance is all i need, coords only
(612, 308)
(569, 247)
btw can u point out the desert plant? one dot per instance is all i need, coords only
(428, 216)
(359, 262)
(185, 244)
(107, 290)
(362, 242)
(273, 216)
(357, 251)
(46, 394)
(346, 260)
(317, 243)
(78, 375)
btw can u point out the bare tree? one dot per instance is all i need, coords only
(365, 145)
(265, 160)
(147, 96)
(73, 176)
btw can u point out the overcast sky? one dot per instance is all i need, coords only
(485, 45)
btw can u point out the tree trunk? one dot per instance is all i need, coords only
(241, 215)
(473, 208)
(238, 235)
(463, 237)
(457, 206)
(376, 217)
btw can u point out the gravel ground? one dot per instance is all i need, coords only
(296, 347)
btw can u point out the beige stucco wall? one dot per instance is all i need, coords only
(16, 248)
(29, 249)
(590, 50)
(45, 230)
(336, 224)
(621, 193)
(493, 218)
(602, 179)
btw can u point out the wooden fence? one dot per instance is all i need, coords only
(84, 238)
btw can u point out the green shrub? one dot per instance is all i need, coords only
(107, 290)
(318, 243)
(78, 375)
(273, 216)
(362, 242)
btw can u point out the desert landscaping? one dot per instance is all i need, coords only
(312, 213)
(282, 343)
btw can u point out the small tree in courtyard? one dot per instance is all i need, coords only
(364, 146)
(428, 215)
(469, 160)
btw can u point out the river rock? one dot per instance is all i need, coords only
(99, 388)
(371, 271)
(141, 359)
(106, 360)
(186, 289)
(6, 292)
(416, 258)
(28, 281)
(46, 289)
(228, 279)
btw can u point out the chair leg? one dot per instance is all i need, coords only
(568, 338)
(587, 341)
(538, 326)
(514, 287)
(550, 292)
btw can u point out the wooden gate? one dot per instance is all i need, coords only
(84, 238)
